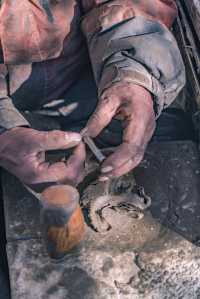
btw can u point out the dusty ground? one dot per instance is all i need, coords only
(156, 257)
(168, 268)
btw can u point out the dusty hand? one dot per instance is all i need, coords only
(134, 105)
(22, 152)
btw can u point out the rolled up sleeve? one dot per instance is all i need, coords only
(10, 117)
(134, 49)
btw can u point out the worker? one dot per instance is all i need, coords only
(47, 46)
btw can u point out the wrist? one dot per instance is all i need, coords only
(140, 96)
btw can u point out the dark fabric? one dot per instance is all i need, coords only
(76, 105)
(37, 30)
(141, 52)
(4, 276)
(8, 112)
(47, 35)
(173, 124)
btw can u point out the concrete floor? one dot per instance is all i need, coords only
(155, 258)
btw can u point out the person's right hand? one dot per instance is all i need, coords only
(22, 152)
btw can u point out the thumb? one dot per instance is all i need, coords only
(55, 140)
(105, 111)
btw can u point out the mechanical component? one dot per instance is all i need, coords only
(121, 195)
(61, 219)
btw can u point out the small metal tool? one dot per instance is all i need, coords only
(34, 193)
(94, 149)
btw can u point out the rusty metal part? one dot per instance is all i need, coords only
(122, 196)
(62, 221)
(131, 205)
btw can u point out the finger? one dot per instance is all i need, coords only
(120, 157)
(55, 140)
(102, 116)
(76, 164)
(127, 156)
(139, 124)
(125, 168)
(61, 172)
(138, 129)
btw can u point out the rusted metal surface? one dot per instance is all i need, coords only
(61, 220)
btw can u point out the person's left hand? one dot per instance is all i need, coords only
(134, 105)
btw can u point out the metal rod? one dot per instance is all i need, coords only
(94, 149)
(35, 194)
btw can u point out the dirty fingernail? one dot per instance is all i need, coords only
(106, 169)
(103, 179)
(73, 137)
